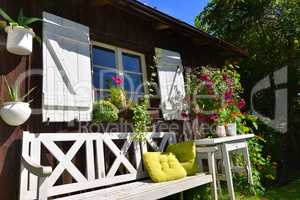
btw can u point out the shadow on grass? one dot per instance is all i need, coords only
(288, 192)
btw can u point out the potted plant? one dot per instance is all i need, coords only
(105, 111)
(19, 34)
(15, 112)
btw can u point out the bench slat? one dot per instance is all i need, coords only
(146, 190)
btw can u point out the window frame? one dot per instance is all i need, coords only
(119, 64)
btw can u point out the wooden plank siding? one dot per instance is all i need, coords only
(108, 24)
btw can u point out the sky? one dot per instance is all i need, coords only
(185, 10)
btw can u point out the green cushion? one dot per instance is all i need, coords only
(163, 166)
(185, 152)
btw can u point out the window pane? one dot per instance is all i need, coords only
(131, 63)
(104, 57)
(133, 83)
(102, 78)
(101, 95)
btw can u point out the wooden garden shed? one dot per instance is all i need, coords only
(110, 33)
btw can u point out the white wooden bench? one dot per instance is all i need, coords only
(100, 179)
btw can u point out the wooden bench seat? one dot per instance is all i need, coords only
(110, 167)
(146, 190)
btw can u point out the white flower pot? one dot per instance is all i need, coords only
(19, 40)
(231, 129)
(220, 131)
(15, 113)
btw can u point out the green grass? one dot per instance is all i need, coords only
(288, 192)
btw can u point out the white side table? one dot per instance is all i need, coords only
(225, 145)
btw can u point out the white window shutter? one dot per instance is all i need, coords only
(171, 82)
(67, 76)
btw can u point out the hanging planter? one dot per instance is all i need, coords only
(19, 34)
(15, 113)
(19, 40)
(231, 129)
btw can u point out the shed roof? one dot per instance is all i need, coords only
(167, 21)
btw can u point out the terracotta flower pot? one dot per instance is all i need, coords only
(19, 40)
(15, 113)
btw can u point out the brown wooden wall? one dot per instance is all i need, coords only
(108, 25)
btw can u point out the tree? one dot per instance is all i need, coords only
(270, 31)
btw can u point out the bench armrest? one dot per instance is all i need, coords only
(206, 149)
(38, 170)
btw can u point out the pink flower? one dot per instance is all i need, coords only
(213, 117)
(117, 80)
(227, 79)
(228, 95)
(241, 104)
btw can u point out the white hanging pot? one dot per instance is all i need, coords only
(220, 131)
(15, 113)
(231, 129)
(19, 40)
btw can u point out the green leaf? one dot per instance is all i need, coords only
(5, 16)
(21, 18)
(28, 21)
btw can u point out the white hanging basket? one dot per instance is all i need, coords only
(220, 131)
(15, 113)
(19, 40)
(231, 129)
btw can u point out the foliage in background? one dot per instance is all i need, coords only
(141, 119)
(270, 31)
(105, 111)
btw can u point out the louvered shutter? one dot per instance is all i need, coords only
(67, 77)
(171, 82)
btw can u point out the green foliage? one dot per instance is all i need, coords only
(141, 119)
(14, 92)
(105, 111)
(21, 20)
(118, 97)
(152, 75)
(223, 88)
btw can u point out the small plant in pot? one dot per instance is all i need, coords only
(15, 112)
(19, 34)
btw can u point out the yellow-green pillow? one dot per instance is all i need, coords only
(163, 166)
(185, 152)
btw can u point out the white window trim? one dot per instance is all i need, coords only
(119, 63)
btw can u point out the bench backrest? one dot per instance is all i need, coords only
(110, 158)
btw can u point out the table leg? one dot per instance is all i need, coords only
(212, 171)
(228, 173)
(248, 164)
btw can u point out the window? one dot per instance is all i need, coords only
(109, 61)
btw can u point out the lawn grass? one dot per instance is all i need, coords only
(288, 192)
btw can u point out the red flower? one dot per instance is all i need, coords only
(202, 118)
(204, 77)
(230, 101)
(117, 80)
(241, 104)
(184, 115)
